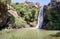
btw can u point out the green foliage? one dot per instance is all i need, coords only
(20, 21)
(52, 14)
(54, 17)
(12, 19)
(5, 1)
(33, 11)
(17, 21)
(24, 11)
(56, 35)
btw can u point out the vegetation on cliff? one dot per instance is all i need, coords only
(52, 17)
(26, 12)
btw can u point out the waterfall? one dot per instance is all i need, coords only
(40, 19)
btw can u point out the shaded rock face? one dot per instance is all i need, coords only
(52, 17)
(58, 5)
(5, 12)
(46, 22)
(3, 15)
(32, 5)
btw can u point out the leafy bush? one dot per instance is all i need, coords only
(54, 17)
(25, 12)
(12, 19)
(20, 21)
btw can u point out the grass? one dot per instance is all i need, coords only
(25, 34)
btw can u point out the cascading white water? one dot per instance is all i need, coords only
(40, 19)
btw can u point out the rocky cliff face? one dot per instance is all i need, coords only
(33, 9)
(3, 15)
(52, 17)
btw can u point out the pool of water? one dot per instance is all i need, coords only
(27, 33)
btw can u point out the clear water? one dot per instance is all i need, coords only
(40, 19)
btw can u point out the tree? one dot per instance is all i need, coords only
(3, 13)
(5, 1)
